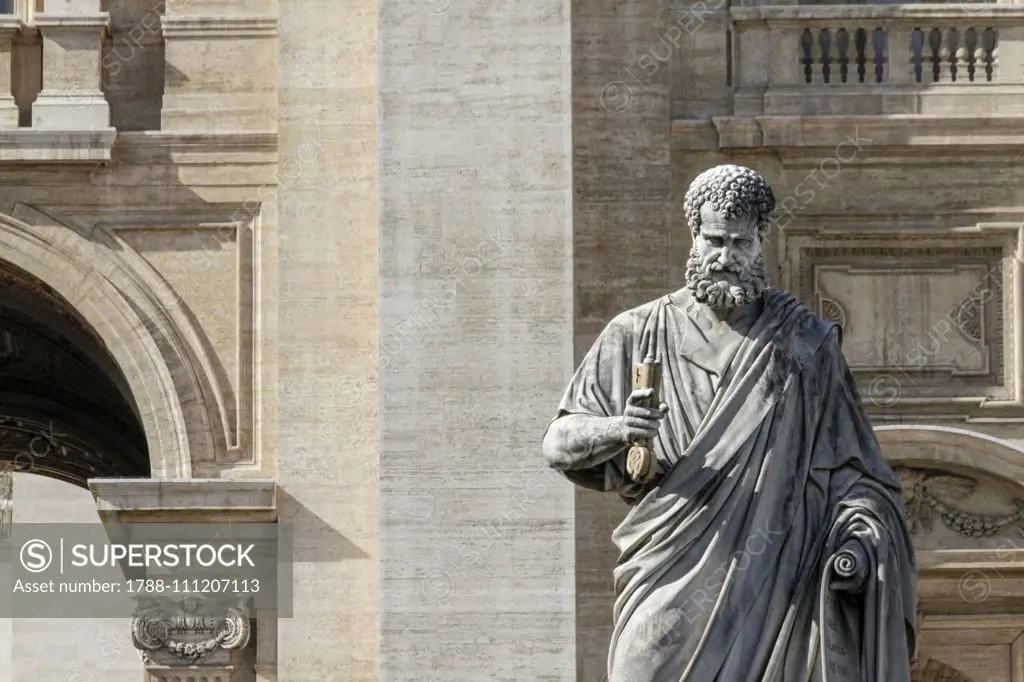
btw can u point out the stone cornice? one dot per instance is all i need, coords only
(191, 140)
(33, 145)
(9, 25)
(143, 500)
(52, 22)
(825, 132)
(803, 14)
(198, 148)
(176, 26)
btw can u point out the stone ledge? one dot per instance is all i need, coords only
(144, 500)
(887, 131)
(71, 21)
(216, 140)
(1006, 14)
(210, 148)
(176, 26)
(9, 25)
(56, 146)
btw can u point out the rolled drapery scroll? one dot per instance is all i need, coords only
(851, 561)
(848, 562)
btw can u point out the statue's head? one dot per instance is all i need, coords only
(728, 209)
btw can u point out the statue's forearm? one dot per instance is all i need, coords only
(580, 441)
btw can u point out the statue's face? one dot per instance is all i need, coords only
(726, 266)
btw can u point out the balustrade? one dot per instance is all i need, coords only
(879, 59)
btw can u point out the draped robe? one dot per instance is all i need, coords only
(766, 465)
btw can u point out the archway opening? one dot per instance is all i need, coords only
(65, 408)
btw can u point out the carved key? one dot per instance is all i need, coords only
(640, 460)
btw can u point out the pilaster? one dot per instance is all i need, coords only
(225, 61)
(9, 27)
(208, 638)
(72, 98)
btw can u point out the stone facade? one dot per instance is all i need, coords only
(331, 264)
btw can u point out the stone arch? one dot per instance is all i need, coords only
(946, 446)
(129, 320)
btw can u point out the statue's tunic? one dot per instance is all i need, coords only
(767, 465)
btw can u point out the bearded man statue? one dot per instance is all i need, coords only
(767, 540)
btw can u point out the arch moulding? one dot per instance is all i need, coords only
(946, 446)
(109, 297)
(970, 543)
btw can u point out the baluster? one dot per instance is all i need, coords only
(880, 54)
(861, 40)
(824, 40)
(988, 41)
(807, 53)
(935, 45)
(843, 45)
(973, 54)
(955, 52)
(816, 54)
(944, 57)
(917, 53)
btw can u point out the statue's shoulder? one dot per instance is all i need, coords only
(801, 325)
(634, 318)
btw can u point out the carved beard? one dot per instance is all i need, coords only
(717, 293)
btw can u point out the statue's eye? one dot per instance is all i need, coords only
(715, 241)
(742, 243)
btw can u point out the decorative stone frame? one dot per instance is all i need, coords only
(814, 246)
(112, 300)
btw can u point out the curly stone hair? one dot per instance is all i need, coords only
(731, 190)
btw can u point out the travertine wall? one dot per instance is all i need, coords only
(625, 248)
(476, 302)
(326, 333)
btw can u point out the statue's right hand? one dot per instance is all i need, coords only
(638, 421)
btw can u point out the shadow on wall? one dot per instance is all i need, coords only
(320, 542)
(133, 65)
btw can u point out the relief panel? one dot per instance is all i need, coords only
(960, 509)
(925, 322)
(929, 314)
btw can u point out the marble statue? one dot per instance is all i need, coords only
(766, 540)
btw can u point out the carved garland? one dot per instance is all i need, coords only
(186, 634)
(925, 493)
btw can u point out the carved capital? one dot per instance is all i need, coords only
(189, 632)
